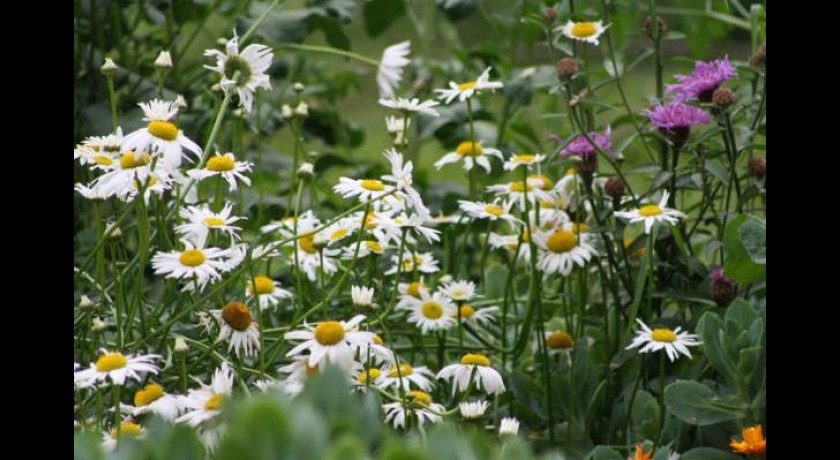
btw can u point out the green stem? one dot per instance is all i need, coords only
(328, 50)
(258, 22)
(112, 95)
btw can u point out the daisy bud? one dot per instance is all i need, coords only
(759, 59)
(306, 171)
(85, 303)
(221, 41)
(567, 68)
(445, 279)
(181, 102)
(298, 87)
(722, 289)
(181, 345)
(238, 113)
(302, 111)
(216, 88)
(113, 231)
(647, 26)
(362, 296)
(473, 410)
(98, 325)
(508, 427)
(164, 61)
(109, 68)
(757, 167)
(320, 245)
(550, 15)
(614, 187)
(724, 98)
(287, 111)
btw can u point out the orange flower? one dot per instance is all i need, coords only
(641, 454)
(753, 443)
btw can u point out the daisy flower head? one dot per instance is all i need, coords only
(473, 410)
(419, 404)
(161, 136)
(558, 341)
(423, 263)
(676, 119)
(311, 259)
(109, 144)
(461, 375)
(363, 377)
(297, 373)
(127, 429)
(471, 315)
(116, 368)
(431, 312)
(508, 426)
(96, 160)
(561, 250)
(367, 248)
(582, 148)
(405, 376)
(416, 225)
(584, 31)
(510, 243)
(224, 165)
(152, 398)
(517, 192)
(195, 264)
(238, 328)
(365, 189)
(409, 292)
(471, 153)
(752, 443)
(411, 105)
(243, 72)
(201, 220)
(122, 175)
(401, 178)
(389, 74)
(362, 296)
(206, 402)
(652, 213)
(332, 342)
(335, 232)
(673, 341)
(523, 159)
(459, 291)
(268, 290)
(376, 351)
(466, 90)
(703, 82)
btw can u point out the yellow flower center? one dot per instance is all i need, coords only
(545, 182)
(420, 397)
(475, 359)
(414, 289)
(128, 429)
(263, 285)
(110, 361)
(374, 246)
(526, 237)
(237, 315)
(221, 163)
(373, 185)
(403, 370)
(165, 130)
(494, 209)
(579, 227)
(584, 29)
(650, 210)
(338, 234)
(377, 340)
(663, 334)
(103, 160)
(524, 158)
(559, 341)
(149, 394)
(520, 187)
(466, 86)
(128, 161)
(214, 221)
(305, 243)
(215, 402)
(370, 221)
(329, 333)
(369, 375)
(192, 258)
(473, 149)
(561, 241)
(432, 310)
(467, 311)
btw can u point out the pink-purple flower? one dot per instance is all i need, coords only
(676, 119)
(705, 79)
(581, 147)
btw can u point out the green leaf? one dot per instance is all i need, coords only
(455, 10)
(604, 453)
(333, 32)
(739, 265)
(710, 330)
(754, 238)
(697, 404)
(645, 415)
(496, 279)
(380, 14)
(717, 170)
(707, 453)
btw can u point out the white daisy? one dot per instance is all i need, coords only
(541, 181)
(464, 91)
(306, 255)
(128, 429)
(487, 379)
(195, 264)
(121, 176)
(205, 403)
(335, 232)
(492, 211)
(202, 219)
(459, 291)
(362, 296)
(583, 31)
(157, 182)
(561, 250)
(397, 126)
(401, 177)
(473, 410)
(225, 166)
(109, 144)
(517, 192)
(365, 189)
(423, 263)
(161, 136)
(509, 426)
(411, 105)
(390, 71)
(524, 159)
(115, 368)
(362, 378)
(251, 63)
(472, 154)
(430, 312)
(510, 243)
(152, 398)
(419, 403)
(298, 372)
(333, 342)
(404, 375)
(652, 213)
(368, 247)
(268, 290)
(415, 223)
(674, 342)
(483, 316)
(376, 352)
(236, 326)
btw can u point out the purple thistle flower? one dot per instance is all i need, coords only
(705, 79)
(676, 119)
(581, 147)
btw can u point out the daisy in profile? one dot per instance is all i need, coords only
(362, 296)
(390, 71)
(416, 226)
(423, 263)
(466, 90)
(362, 378)
(201, 220)
(471, 153)
(517, 192)
(558, 341)
(492, 211)
(419, 404)
(483, 316)
(401, 178)
(115, 368)
(652, 213)
(752, 443)
(702, 83)
(237, 327)
(268, 290)
(430, 312)
(508, 426)
(225, 166)
(152, 398)
(161, 136)
(251, 63)
(459, 291)
(411, 105)
(473, 410)
(404, 375)
(122, 175)
(109, 144)
(460, 375)
(376, 352)
(524, 159)
(561, 250)
(203, 405)
(195, 264)
(332, 342)
(335, 232)
(128, 429)
(674, 342)
(367, 248)
(365, 189)
(583, 31)
(94, 159)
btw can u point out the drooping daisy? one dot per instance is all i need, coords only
(152, 398)
(390, 71)
(652, 213)
(411, 105)
(225, 166)
(128, 429)
(268, 290)
(673, 341)
(195, 264)
(109, 144)
(401, 177)
(676, 119)
(251, 63)
(471, 153)
(236, 326)
(561, 250)
(517, 192)
(161, 136)
(114, 367)
(460, 375)
(201, 220)
(362, 296)
(404, 375)
(492, 211)
(419, 403)
(583, 31)
(473, 410)
(430, 312)
(509, 426)
(466, 90)
(459, 291)
(752, 443)
(376, 352)
(703, 82)
(423, 263)
(334, 342)
(523, 159)
(205, 403)
(483, 316)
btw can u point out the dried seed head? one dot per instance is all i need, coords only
(759, 59)
(647, 26)
(724, 98)
(614, 187)
(757, 167)
(567, 68)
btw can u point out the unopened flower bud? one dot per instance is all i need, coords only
(759, 59)
(109, 68)
(181, 345)
(216, 88)
(320, 245)
(550, 15)
(306, 171)
(722, 290)
(287, 111)
(113, 231)
(724, 98)
(757, 166)
(97, 325)
(614, 188)
(181, 102)
(647, 26)
(164, 61)
(85, 303)
(567, 68)
(298, 87)
(302, 111)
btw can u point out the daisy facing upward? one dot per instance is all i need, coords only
(161, 136)
(471, 153)
(466, 90)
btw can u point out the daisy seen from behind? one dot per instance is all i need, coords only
(411, 105)
(389, 73)
(673, 341)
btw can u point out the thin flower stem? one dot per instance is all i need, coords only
(112, 95)
(259, 21)
(328, 50)
(661, 398)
